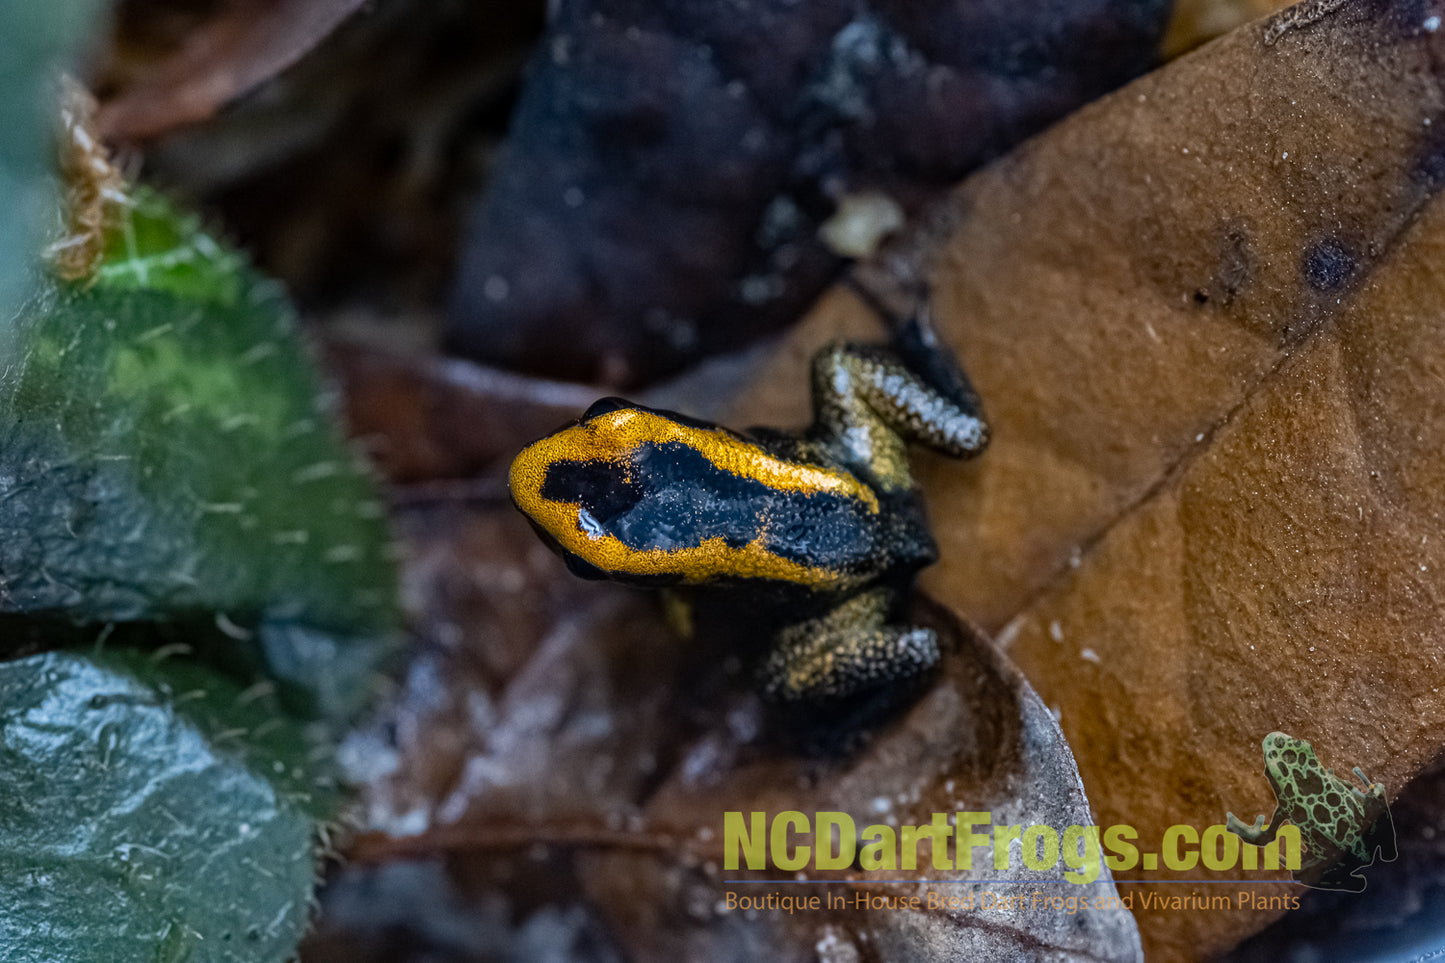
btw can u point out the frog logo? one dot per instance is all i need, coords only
(1342, 826)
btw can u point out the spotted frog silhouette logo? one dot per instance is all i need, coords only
(1343, 827)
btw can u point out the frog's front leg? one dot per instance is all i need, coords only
(850, 650)
(1360, 775)
(1259, 834)
(873, 400)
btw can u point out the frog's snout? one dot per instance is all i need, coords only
(527, 481)
(525, 477)
(568, 484)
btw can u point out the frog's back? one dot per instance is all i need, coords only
(644, 495)
(900, 539)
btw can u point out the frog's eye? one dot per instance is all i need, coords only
(603, 406)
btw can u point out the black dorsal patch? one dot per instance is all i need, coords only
(667, 496)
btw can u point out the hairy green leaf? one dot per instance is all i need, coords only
(153, 811)
(166, 452)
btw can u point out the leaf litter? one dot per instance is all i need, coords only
(1201, 314)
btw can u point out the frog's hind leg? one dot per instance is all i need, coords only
(850, 650)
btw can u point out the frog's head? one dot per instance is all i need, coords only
(648, 496)
(1291, 762)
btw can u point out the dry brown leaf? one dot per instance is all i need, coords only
(245, 43)
(534, 697)
(1195, 21)
(427, 419)
(1205, 317)
(445, 426)
(979, 740)
(545, 714)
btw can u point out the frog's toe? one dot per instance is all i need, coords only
(814, 663)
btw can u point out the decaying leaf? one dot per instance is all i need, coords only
(341, 175)
(536, 697)
(429, 418)
(556, 714)
(242, 45)
(669, 164)
(979, 740)
(1204, 315)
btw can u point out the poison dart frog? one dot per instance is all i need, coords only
(823, 529)
(1334, 815)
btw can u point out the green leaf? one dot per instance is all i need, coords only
(152, 811)
(167, 453)
(157, 248)
(170, 471)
